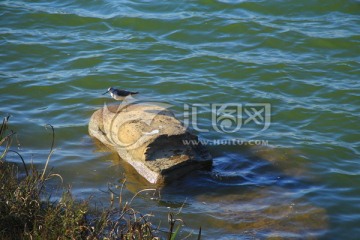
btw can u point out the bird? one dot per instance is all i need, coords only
(119, 94)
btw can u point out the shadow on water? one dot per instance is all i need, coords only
(251, 191)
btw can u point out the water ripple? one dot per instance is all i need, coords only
(301, 57)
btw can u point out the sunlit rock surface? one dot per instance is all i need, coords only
(150, 138)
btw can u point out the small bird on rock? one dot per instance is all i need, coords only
(119, 94)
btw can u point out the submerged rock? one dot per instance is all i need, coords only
(151, 139)
(265, 213)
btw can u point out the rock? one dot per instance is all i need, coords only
(150, 138)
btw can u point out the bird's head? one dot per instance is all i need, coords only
(110, 89)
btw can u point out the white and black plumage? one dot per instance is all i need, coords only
(119, 94)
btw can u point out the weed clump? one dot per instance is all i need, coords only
(26, 211)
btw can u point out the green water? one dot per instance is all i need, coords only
(301, 57)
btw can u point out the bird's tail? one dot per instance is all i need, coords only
(134, 92)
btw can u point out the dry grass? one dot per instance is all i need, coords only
(26, 211)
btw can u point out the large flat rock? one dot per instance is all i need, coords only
(151, 139)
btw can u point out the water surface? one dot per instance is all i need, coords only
(57, 57)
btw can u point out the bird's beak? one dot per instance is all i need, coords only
(105, 92)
